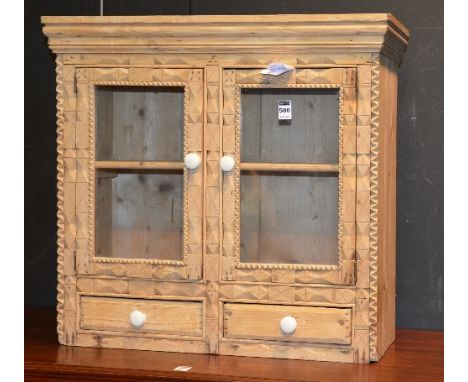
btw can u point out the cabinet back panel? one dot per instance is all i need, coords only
(139, 215)
(138, 123)
(289, 218)
(311, 136)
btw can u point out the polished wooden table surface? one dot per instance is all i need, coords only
(415, 356)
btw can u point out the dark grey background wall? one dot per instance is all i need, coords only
(420, 139)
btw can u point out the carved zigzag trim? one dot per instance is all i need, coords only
(374, 172)
(60, 202)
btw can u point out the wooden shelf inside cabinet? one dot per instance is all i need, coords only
(289, 167)
(138, 165)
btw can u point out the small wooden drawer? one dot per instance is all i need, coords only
(314, 324)
(112, 314)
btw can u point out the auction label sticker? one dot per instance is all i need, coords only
(285, 109)
(182, 368)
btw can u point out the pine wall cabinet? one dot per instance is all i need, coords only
(206, 207)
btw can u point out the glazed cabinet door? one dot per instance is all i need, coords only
(289, 176)
(143, 198)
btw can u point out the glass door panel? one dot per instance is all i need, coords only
(289, 184)
(139, 214)
(139, 172)
(289, 217)
(139, 123)
(310, 136)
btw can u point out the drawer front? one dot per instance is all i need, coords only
(314, 324)
(162, 317)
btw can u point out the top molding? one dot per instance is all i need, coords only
(327, 33)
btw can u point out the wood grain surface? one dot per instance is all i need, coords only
(163, 317)
(415, 356)
(314, 324)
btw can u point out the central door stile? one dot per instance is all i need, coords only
(212, 203)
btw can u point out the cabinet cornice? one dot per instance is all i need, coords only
(338, 33)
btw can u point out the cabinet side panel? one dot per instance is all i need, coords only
(66, 211)
(386, 262)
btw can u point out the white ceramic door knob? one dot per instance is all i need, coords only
(227, 163)
(288, 324)
(192, 161)
(137, 318)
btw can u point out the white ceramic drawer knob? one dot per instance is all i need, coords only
(227, 163)
(137, 318)
(288, 324)
(192, 161)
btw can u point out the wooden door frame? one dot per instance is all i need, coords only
(341, 78)
(190, 267)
